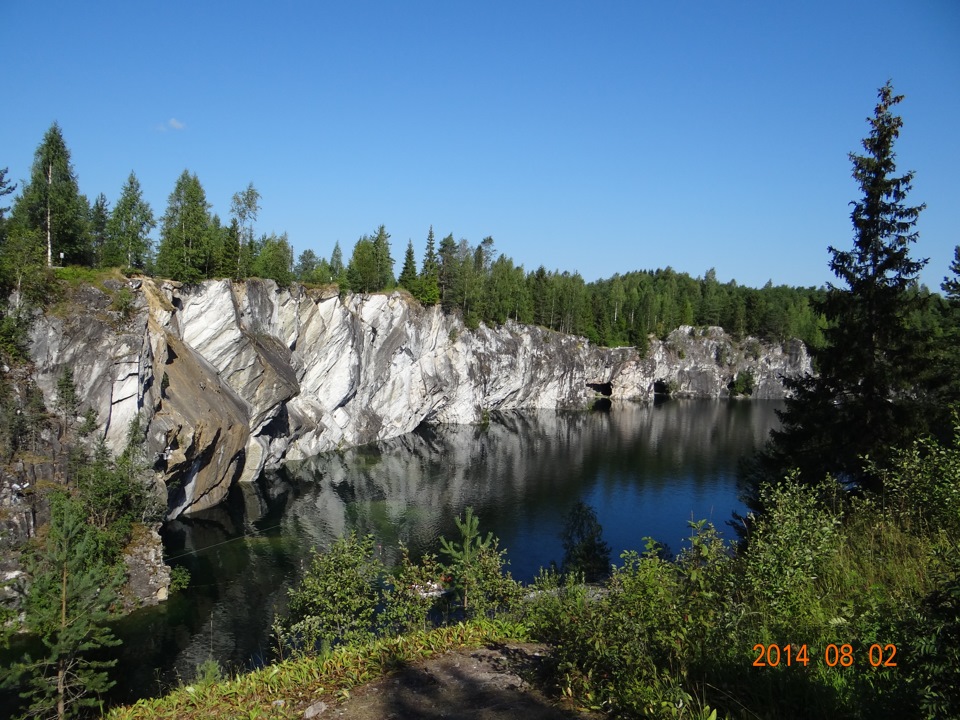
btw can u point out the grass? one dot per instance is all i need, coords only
(76, 276)
(283, 690)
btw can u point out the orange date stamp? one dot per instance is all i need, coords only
(878, 655)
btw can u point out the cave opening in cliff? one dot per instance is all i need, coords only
(661, 388)
(604, 388)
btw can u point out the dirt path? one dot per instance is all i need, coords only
(492, 683)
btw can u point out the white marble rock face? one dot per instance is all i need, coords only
(231, 378)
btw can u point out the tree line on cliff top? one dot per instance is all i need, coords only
(51, 223)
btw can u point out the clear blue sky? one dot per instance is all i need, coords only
(592, 136)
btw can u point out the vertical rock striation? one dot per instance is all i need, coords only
(232, 378)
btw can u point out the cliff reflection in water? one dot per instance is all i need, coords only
(646, 469)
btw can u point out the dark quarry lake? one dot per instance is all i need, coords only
(646, 469)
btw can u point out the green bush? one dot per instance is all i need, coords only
(413, 590)
(743, 384)
(337, 599)
(476, 567)
(788, 550)
(124, 303)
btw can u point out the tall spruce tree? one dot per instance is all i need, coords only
(869, 395)
(382, 258)
(71, 597)
(51, 203)
(129, 228)
(337, 269)
(5, 189)
(99, 221)
(408, 275)
(184, 232)
(429, 280)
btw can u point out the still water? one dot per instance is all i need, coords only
(647, 470)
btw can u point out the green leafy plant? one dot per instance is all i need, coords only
(743, 384)
(337, 599)
(71, 597)
(476, 568)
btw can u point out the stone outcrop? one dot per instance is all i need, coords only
(232, 378)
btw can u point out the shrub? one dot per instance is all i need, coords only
(123, 303)
(476, 567)
(743, 384)
(412, 592)
(337, 599)
(788, 549)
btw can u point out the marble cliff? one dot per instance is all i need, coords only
(231, 378)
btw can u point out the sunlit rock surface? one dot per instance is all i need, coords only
(231, 378)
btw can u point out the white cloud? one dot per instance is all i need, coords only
(171, 124)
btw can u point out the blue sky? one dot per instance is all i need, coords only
(592, 136)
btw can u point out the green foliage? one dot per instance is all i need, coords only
(179, 578)
(114, 497)
(935, 634)
(922, 486)
(743, 384)
(244, 208)
(408, 275)
(89, 422)
(123, 303)
(476, 566)
(871, 393)
(128, 242)
(337, 599)
(23, 267)
(185, 238)
(50, 211)
(208, 673)
(413, 590)
(274, 260)
(71, 597)
(68, 401)
(98, 221)
(428, 282)
(13, 336)
(361, 273)
(790, 545)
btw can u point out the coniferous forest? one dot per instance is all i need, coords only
(49, 222)
(839, 599)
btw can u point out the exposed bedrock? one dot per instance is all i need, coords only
(231, 378)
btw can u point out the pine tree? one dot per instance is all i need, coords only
(429, 280)
(184, 232)
(408, 275)
(99, 220)
(71, 597)
(51, 203)
(951, 285)
(382, 258)
(869, 396)
(5, 189)
(448, 272)
(129, 228)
